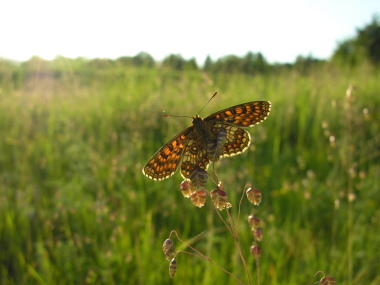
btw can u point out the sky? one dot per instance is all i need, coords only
(280, 29)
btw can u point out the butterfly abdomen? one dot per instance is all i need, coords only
(221, 139)
(214, 147)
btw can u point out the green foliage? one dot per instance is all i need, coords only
(251, 64)
(365, 46)
(208, 63)
(75, 207)
(305, 65)
(141, 59)
(177, 62)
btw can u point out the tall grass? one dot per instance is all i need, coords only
(76, 209)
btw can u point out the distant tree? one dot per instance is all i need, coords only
(177, 62)
(251, 63)
(248, 63)
(229, 64)
(143, 59)
(36, 67)
(36, 63)
(364, 46)
(278, 68)
(254, 63)
(261, 63)
(208, 64)
(174, 61)
(101, 63)
(369, 39)
(125, 60)
(7, 73)
(304, 64)
(191, 64)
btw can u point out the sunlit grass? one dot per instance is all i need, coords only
(75, 207)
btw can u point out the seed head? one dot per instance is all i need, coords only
(172, 267)
(168, 249)
(254, 221)
(256, 251)
(199, 177)
(254, 195)
(259, 234)
(198, 198)
(219, 199)
(187, 188)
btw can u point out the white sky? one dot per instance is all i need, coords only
(280, 29)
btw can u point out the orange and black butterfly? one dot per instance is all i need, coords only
(207, 140)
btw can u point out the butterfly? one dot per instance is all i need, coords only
(207, 140)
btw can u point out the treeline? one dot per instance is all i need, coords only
(363, 47)
(251, 64)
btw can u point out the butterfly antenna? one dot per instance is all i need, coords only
(208, 102)
(168, 115)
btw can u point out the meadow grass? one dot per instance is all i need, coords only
(75, 207)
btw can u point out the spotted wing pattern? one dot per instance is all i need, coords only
(191, 148)
(243, 115)
(165, 162)
(238, 140)
(195, 155)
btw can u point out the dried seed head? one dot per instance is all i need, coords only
(366, 114)
(254, 222)
(172, 267)
(351, 196)
(199, 177)
(168, 249)
(256, 251)
(349, 92)
(219, 199)
(198, 198)
(259, 234)
(352, 172)
(327, 280)
(187, 188)
(254, 196)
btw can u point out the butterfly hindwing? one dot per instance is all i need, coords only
(194, 156)
(238, 140)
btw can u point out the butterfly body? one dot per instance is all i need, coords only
(215, 146)
(207, 140)
(203, 130)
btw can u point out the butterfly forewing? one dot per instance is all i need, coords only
(165, 162)
(243, 115)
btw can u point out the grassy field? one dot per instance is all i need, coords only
(75, 207)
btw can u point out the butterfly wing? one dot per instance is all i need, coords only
(166, 160)
(194, 156)
(232, 119)
(238, 140)
(188, 150)
(243, 115)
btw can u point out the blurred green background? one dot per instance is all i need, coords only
(75, 207)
